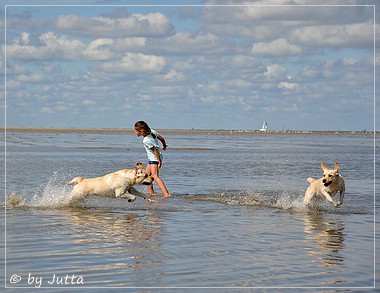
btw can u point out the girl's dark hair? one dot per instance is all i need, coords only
(143, 127)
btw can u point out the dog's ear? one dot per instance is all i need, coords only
(138, 168)
(138, 165)
(336, 166)
(323, 166)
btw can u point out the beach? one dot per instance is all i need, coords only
(187, 131)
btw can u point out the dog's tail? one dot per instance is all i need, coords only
(310, 180)
(75, 180)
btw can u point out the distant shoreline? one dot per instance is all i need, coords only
(182, 131)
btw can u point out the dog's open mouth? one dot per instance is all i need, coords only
(326, 184)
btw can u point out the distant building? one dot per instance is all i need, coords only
(264, 128)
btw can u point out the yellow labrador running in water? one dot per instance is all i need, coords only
(327, 186)
(117, 184)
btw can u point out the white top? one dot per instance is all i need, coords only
(150, 141)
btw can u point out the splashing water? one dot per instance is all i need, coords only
(53, 195)
(273, 199)
(288, 202)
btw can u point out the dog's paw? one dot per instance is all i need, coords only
(337, 204)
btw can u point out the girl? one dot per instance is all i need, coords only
(154, 153)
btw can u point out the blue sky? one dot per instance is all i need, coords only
(217, 65)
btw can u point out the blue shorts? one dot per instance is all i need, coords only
(153, 163)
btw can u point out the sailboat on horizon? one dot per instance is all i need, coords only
(264, 128)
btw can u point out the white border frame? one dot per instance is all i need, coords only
(6, 277)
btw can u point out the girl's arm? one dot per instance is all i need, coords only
(162, 139)
(155, 151)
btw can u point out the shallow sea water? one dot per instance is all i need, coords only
(236, 221)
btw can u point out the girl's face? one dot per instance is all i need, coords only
(138, 132)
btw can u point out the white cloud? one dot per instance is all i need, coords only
(52, 47)
(30, 78)
(238, 83)
(350, 61)
(61, 48)
(185, 43)
(174, 76)
(88, 102)
(23, 39)
(356, 35)
(136, 63)
(152, 25)
(288, 86)
(128, 44)
(99, 49)
(279, 47)
(210, 99)
(275, 71)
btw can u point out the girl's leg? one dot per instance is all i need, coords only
(157, 179)
(149, 172)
